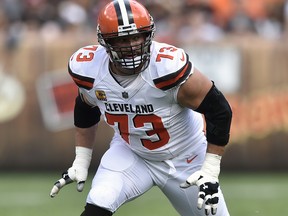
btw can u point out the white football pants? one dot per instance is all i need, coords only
(122, 176)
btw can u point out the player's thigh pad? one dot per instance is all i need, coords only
(121, 176)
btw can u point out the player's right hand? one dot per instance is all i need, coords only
(207, 181)
(208, 191)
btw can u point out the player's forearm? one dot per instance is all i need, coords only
(85, 137)
(215, 149)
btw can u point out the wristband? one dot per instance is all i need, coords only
(83, 157)
(211, 165)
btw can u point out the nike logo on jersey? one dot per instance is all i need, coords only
(183, 57)
(189, 160)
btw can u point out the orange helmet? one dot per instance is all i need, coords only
(125, 18)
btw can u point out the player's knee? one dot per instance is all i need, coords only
(105, 196)
(93, 210)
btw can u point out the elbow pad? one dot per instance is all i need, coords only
(218, 117)
(85, 116)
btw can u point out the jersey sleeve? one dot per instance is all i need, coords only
(80, 66)
(172, 67)
(86, 97)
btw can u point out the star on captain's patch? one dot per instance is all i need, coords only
(125, 94)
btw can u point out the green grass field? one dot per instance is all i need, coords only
(27, 194)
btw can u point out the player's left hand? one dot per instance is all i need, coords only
(60, 183)
(78, 172)
(73, 174)
(207, 181)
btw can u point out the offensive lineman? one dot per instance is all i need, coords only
(152, 96)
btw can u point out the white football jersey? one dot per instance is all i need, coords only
(146, 113)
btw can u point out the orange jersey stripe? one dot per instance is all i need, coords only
(172, 81)
(83, 83)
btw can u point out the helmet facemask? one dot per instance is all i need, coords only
(126, 29)
(128, 59)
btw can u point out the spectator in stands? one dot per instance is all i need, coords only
(199, 26)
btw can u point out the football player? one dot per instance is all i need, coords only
(153, 97)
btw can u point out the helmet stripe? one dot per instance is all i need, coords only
(129, 12)
(124, 12)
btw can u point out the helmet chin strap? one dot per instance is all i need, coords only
(131, 63)
(117, 68)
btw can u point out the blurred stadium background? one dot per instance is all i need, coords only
(241, 44)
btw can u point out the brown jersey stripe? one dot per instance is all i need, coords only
(172, 80)
(81, 81)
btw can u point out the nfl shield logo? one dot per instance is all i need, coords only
(125, 94)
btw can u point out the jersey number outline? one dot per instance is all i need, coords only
(81, 57)
(162, 55)
(121, 120)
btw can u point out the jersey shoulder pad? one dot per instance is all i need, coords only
(170, 66)
(83, 65)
